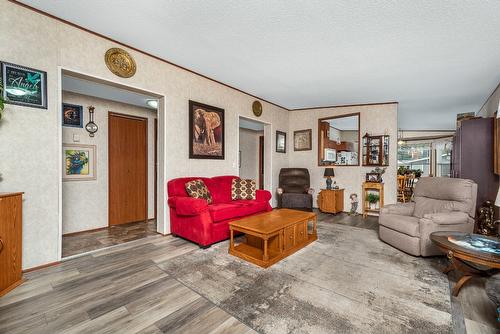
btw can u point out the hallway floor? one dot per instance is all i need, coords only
(83, 242)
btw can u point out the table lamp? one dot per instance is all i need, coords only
(328, 174)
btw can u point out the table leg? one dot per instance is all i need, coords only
(464, 279)
(231, 243)
(266, 255)
(449, 268)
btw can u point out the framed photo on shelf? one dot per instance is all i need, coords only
(302, 140)
(206, 131)
(373, 177)
(24, 86)
(280, 142)
(79, 162)
(72, 115)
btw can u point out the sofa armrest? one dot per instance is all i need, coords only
(188, 206)
(448, 218)
(263, 195)
(402, 209)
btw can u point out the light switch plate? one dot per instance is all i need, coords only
(76, 138)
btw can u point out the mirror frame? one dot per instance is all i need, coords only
(358, 114)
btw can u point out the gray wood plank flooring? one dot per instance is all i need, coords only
(124, 290)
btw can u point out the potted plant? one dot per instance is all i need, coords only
(372, 199)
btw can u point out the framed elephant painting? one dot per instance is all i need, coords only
(206, 131)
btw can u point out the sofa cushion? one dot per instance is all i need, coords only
(198, 189)
(243, 189)
(424, 205)
(220, 188)
(405, 224)
(224, 211)
(292, 200)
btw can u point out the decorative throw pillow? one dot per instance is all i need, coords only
(198, 189)
(243, 189)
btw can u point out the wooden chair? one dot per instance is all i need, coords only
(409, 183)
(401, 189)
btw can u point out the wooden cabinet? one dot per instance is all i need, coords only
(331, 201)
(10, 241)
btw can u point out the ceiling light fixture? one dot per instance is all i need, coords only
(152, 103)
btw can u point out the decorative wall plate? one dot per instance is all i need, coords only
(257, 108)
(120, 62)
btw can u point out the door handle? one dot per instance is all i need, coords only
(1, 245)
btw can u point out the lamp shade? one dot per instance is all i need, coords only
(497, 201)
(329, 172)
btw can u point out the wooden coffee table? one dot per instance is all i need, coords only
(466, 254)
(272, 236)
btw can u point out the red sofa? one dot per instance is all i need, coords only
(194, 219)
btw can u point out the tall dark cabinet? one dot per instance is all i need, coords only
(472, 157)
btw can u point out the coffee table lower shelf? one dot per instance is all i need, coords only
(255, 254)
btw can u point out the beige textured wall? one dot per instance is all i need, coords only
(249, 147)
(29, 138)
(491, 105)
(376, 120)
(91, 197)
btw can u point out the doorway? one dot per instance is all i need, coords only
(119, 202)
(251, 164)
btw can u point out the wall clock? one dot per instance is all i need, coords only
(120, 62)
(257, 108)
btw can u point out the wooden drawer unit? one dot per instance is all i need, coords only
(289, 236)
(331, 200)
(300, 232)
(10, 241)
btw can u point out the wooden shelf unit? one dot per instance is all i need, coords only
(372, 186)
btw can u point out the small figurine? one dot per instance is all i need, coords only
(486, 223)
(354, 204)
(335, 186)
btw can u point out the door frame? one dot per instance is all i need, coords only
(261, 161)
(112, 113)
(163, 216)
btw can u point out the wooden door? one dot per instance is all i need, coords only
(128, 172)
(10, 241)
(261, 162)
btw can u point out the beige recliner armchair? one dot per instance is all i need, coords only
(440, 204)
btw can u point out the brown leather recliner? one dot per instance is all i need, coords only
(294, 190)
(441, 204)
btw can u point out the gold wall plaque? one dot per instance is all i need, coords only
(257, 108)
(120, 62)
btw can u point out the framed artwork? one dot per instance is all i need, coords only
(72, 115)
(79, 162)
(206, 131)
(302, 140)
(373, 177)
(280, 142)
(24, 86)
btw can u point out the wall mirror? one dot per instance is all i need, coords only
(338, 140)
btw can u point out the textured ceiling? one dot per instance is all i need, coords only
(436, 58)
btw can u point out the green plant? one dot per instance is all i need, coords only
(372, 198)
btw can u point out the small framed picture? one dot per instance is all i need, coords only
(79, 162)
(373, 177)
(280, 142)
(24, 86)
(72, 115)
(302, 140)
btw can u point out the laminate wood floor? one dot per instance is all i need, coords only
(84, 242)
(124, 290)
